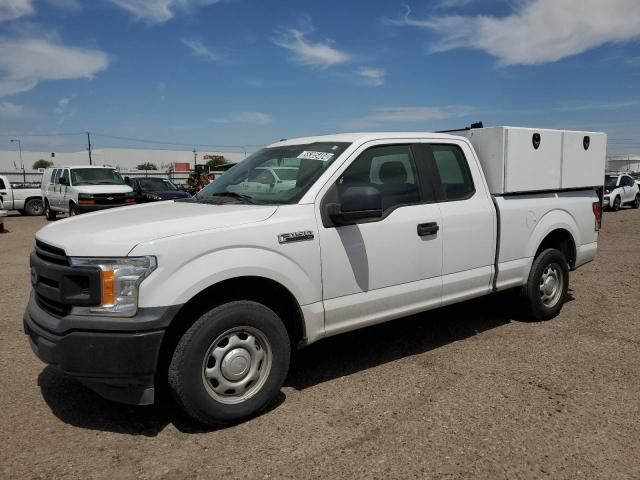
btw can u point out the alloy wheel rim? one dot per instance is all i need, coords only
(237, 365)
(551, 285)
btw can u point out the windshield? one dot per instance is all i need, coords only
(610, 181)
(155, 185)
(275, 175)
(95, 176)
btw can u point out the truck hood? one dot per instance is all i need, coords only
(115, 232)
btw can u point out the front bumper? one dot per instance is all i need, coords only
(116, 357)
(96, 208)
(606, 200)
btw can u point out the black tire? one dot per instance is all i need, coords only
(616, 204)
(50, 214)
(537, 304)
(33, 207)
(194, 355)
(73, 209)
(636, 203)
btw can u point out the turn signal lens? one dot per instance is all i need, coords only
(108, 295)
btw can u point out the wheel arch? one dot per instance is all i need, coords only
(558, 229)
(262, 290)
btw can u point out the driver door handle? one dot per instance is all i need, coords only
(425, 229)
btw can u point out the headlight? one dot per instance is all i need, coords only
(120, 279)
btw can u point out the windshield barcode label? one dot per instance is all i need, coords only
(309, 155)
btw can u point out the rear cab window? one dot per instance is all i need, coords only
(452, 170)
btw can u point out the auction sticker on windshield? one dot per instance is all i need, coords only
(309, 155)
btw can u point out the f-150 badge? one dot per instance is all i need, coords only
(295, 236)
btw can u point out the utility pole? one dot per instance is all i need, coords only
(89, 143)
(195, 160)
(24, 173)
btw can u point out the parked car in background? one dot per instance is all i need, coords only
(22, 197)
(3, 215)
(75, 190)
(154, 189)
(619, 190)
(267, 179)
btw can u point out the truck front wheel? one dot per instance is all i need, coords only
(547, 286)
(230, 364)
(50, 214)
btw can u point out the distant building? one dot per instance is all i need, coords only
(624, 163)
(124, 158)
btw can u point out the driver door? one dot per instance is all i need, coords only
(373, 271)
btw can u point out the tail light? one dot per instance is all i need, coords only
(597, 212)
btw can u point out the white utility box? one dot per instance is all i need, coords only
(516, 159)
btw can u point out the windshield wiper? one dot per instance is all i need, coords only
(240, 196)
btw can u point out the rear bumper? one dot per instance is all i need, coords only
(108, 355)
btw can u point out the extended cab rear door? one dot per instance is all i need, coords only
(468, 220)
(376, 270)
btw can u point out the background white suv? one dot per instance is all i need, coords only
(619, 190)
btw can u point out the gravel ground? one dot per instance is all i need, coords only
(468, 391)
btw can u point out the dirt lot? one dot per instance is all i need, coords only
(463, 392)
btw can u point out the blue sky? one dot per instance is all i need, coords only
(248, 72)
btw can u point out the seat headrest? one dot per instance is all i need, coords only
(393, 172)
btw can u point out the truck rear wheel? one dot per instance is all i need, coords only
(230, 364)
(34, 207)
(50, 214)
(547, 286)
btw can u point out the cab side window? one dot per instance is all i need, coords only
(389, 169)
(454, 173)
(65, 174)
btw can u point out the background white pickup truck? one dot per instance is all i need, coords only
(26, 200)
(209, 295)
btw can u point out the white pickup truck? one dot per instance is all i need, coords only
(21, 197)
(208, 295)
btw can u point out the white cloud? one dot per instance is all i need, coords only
(13, 9)
(199, 49)
(26, 62)
(159, 11)
(409, 115)
(539, 31)
(321, 54)
(372, 76)
(251, 118)
(62, 105)
(12, 110)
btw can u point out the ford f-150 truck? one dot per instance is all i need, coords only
(207, 296)
(21, 197)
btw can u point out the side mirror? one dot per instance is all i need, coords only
(64, 181)
(357, 203)
(127, 180)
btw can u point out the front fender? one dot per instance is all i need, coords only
(168, 286)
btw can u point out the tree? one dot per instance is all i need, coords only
(147, 166)
(216, 162)
(38, 164)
